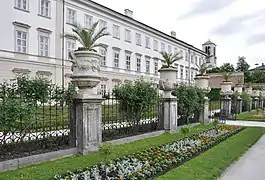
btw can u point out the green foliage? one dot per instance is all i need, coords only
(169, 59)
(214, 70)
(226, 75)
(227, 67)
(137, 97)
(214, 94)
(185, 130)
(202, 68)
(246, 101)
(105, 150)
(257, 76)
(87, 37)
(242, 65)
(190, 101)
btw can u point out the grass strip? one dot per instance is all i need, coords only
(212, 163)
(47, 170)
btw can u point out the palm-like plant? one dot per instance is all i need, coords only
(169, 59)
(202, 68)
(239, 80)
(87, 36)
(227, 76)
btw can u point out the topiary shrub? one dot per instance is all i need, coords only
(137, 98)
(190, 102)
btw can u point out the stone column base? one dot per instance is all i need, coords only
(170, 112)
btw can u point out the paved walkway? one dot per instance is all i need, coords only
(246, 123)
(251, 166)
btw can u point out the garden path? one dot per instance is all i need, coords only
(250, 166)
(246, 123)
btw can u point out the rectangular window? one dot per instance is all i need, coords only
(196, 60)
(155, 45)
(187, 74)
(116, 56)
(22, 4)
(181, 73)
(186, 56)
(116, 31)
(138, 39)
(88, 21)
(200, 61)
(147, 42)
(181, 53)
(45, 6)
(156, 67)
(191, 59)
(103, 89)
(44, 45)
(71, 16)
(138, 63)
(127, 35)
(175, 50)
(70, 46)
(21, 41)
(163, 48)
(192, 76)
(128, 61)
(147, 65)
(103, 24)
(169, 49)
(103, 53)
(177, 67)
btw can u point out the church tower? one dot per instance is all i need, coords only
(210, 49)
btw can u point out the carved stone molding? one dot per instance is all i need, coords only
(44, 30)
(43, 73)
(104, 79)
(21, 71)
(23, 25)
(116, 80)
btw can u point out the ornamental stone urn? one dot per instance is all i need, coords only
(238, 88)
(226, 88)
(202, 81)
(167, 81)
(85, 67)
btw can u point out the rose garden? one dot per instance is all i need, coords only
(141, 130)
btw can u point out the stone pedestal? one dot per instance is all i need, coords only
(88, 124)
(239, 105)
(170, 114)
(255, 102)
(204, 114)
(226, 103)
(250, 104)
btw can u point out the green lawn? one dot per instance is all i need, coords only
(212, 163)
(47, 170)
(254, 115)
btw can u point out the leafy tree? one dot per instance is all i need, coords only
(257, 76)
(242, 65)
(214, 70)
(136, 98)
(87, 36)
(190, 101)
(169, 59)
(227, 67)
(214, 94)
(202, 68)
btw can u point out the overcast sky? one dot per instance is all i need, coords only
(236, 26)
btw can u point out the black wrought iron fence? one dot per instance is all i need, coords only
(118, 124)
(29, 127)
(214, 108)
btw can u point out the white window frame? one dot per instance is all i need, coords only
(138, 39)
(181, 73)
(23, 29)
(128, 35)
(46, 10)
(26, 8)
(191, 59)
(175, 50)
(116, 58)
(128, 60)
(186, 56)
(147, 64)
(103, 24)
(177, 72)
(186, 74)
(147, 42)
(192, 75)
(72, 43)
(155, 45)
(43, 51)
(156, 67)
(196, 60)
(138, 63)
(88, 21)
(71, 15)
(102, 89)
(116, 31)
(163, 47)
(103, 58)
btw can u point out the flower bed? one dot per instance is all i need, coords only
(154, 161)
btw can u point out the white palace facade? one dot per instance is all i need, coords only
(32, 43)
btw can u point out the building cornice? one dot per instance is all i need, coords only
(138, 24)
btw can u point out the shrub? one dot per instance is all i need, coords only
(137, 97)
(190, 101)
(245, 101)
(214, 94)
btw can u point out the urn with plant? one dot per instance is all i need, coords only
(226, 85)
(202, 79)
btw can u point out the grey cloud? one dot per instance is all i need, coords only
(236, 24)
(206, 7)
(256, 39)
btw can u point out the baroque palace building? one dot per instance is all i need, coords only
(32, 43)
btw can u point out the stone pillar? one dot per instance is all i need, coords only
(226, 103)
(250, 104)
(239, 105)
(256, 101)
(204, 114)
(170, 109)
